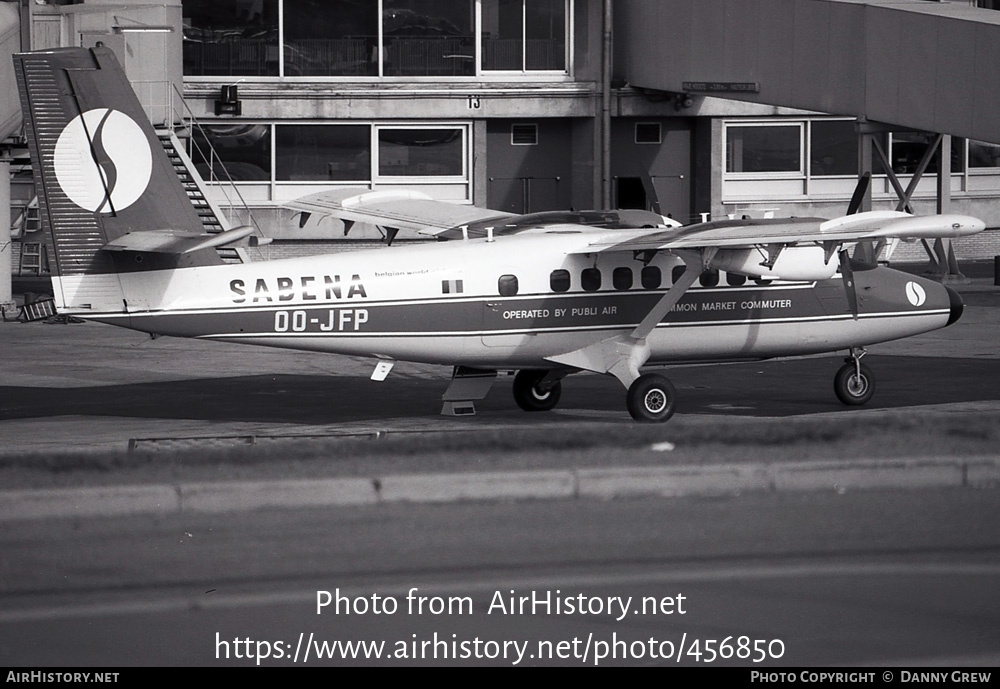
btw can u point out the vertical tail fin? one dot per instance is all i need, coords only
(100, 171)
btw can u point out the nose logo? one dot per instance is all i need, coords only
(102, 160)
(915, 293)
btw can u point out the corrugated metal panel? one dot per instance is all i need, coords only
(920, 65)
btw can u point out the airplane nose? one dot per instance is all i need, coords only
(957, 305)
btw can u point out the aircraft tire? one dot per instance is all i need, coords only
(651, 398)
(852, 390)
(529, 397)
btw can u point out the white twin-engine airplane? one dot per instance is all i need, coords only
(547, 295)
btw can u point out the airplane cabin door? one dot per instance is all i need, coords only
(504, 323)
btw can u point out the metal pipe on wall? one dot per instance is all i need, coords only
(606, 108)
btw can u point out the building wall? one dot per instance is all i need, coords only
(662, 168)
(151, 58)
(528, 177)
(684, 173)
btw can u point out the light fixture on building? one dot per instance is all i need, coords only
(229, 101)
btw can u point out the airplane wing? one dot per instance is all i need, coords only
(393, 208)
(792, 231)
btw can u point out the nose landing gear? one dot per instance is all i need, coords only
(854, 383)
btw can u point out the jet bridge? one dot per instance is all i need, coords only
(915, 65)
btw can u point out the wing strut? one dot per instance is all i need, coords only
(623, 355)
(694, 264)
(848, 274)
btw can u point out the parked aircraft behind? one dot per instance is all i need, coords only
(546, 295)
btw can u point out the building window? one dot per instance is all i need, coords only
(310, 154)
(423, 152)
(524, 135)
(231, 38)
(524, 35)
(237, 152)
(621, 278)
(380, 38)
(322, 153)
(908, 148)
(329, 39)
(764, 148)
(590, 279)
(559, 280)
(982, 154)
(648, 133)
(507, 285)
(427, 38)
(833, 148)
(651, 278)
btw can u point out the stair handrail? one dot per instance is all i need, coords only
(188, 116)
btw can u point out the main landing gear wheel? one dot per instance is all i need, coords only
(530, 396)
(854, 384)
(651, 398)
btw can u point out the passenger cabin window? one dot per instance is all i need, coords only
(590, 279)
(622, 278)
(559, 280)
(735, 279)
(651, 277)
(507, 285)
(676, 273)
(709, 278)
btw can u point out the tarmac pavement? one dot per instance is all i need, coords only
(81, 370)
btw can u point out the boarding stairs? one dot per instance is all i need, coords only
(212, 219)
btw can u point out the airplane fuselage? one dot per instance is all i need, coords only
(508, 303)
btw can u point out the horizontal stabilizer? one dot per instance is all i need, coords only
(176, 241)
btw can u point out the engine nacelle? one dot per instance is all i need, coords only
(793, 263)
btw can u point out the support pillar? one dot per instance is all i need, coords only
(944, 251)
(7, 305)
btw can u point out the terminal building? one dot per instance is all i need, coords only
(696, 110)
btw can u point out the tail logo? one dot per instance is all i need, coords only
(915, 294)
(102, 160)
